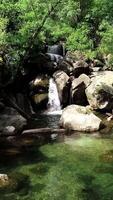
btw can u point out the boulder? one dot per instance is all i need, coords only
(80, 118)
(80, 67)
(23, 101)
(9, 130)
(61, 80)
(39, 83)
(54, 57)
(74, 56)
(11, 122)
(66, 66)
(77, 92)
(4, 180)
(40, 99)
(39, 91)
(100, 92)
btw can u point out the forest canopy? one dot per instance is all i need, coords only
(86, 26)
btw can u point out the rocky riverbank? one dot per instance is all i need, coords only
(81, 84)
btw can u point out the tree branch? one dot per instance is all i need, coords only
(37, 31)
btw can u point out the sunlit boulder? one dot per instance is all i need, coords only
(61, 80)
(100, 92)
(80, 118)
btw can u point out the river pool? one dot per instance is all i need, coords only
(76, 167)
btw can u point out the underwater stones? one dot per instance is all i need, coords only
(80, 118)
(100, 92)
(4, 180)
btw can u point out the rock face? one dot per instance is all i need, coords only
(77, 93)
(61, 79)
(23, 102)
(79, 118)
(11, 122)
(100, 92)
(39, 91)
(4, 180)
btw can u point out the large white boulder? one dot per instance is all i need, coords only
(80, 118)
(100, 92)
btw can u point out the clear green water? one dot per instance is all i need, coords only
(76, 168)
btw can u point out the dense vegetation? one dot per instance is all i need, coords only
(29, 24)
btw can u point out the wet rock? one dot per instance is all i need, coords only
(77, 93)
(100, 92)
(4, 180)
(23, 101)
(40, 99)
(9, 130)
(80, 118)
(2, 106)
(39, 91)
(10, 120)
(39, 83)
(54, 57)
(61, 79)
(56, 49)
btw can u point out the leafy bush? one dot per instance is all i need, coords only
(78, 41)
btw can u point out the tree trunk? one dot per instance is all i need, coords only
(42, 131)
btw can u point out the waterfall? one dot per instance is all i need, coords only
(54, 106)
(54, 57)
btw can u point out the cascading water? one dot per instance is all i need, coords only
(54, 106)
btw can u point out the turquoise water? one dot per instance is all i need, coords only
(78, 167)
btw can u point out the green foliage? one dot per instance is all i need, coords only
(3, 36)
(78, 41)
(106, 32)
(84, 25)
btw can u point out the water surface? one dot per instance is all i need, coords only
(78, 167)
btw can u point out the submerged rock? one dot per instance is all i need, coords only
(80, 118)
(100, 92)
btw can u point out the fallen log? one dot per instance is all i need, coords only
(43, 131)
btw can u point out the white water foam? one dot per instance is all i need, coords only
(54, 106)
